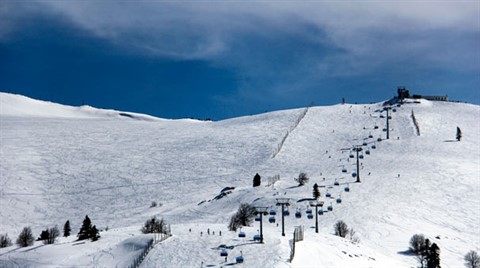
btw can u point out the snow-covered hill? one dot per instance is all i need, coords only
(60, 163)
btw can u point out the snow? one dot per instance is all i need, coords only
(60, 163)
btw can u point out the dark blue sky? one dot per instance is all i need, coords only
(219, 61)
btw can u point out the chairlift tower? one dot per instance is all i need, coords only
(316, 204)
(284, 202)
(358, 149)
(261, 211)
(388, 118)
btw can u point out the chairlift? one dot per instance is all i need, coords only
(336, 183)
(344, 170)
(384, 129)
(309, 211)
(310, 216)
(354, 174)
(286, 213)
(389, 117)
(239, 259)
(242, 235)
(379, 139)
(273, 212)
(347, 189)
(394, 110)
(257, 218)
(360, 156)
(328, 195)
(223, 253)
(382, 116)
(256, 237)
(367, 152)
(339, 200)
(364, 143)
(374, 146)
(352, 156)
(375, 127)
(271, 220)
(320, 212)
(370, 136)
(330, 208)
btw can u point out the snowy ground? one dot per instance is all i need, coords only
(60, 163)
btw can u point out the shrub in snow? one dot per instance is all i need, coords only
(154, 204)
(417, 243)
(25, 238)
(459, 134)
(154, 225)
(472, 259)
(341, 229)
(5, 241)
(67, 229)
(257, 180)
(243, 217)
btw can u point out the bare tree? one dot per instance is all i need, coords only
(25, 238)
(154, 225)
(341, 229)
(243, 217)
(302, 179)
(417, 243)
(472, 259)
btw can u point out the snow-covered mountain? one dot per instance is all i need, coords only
(60, 163)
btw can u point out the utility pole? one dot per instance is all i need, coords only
(261, 211)
(388, 118)
(284, 203)
(316, 204)
(358, 149)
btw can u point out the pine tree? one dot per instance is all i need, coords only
(94, 234)
(257, 180)
(433, 257)
(459, 134)
(316, 191)
(85, 230)
(5, 241)
(67, 229)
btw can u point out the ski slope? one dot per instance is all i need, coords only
(60, 163)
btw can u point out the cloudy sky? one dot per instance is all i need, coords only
(220, 59)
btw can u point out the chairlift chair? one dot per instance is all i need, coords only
(360, 156)
(379, 139)
(375, 127)
(223, 253)
(330, 208)
(256, 237)
(286, 213)
(367, 152)
(309, 211)
(257, 218)
(347, 189)
(298, 214)
(339, 200)
(242, 235)
(320, 212)
(344, 170)
(310, 216)
(271, 220)
(273, 212)
(239, 259)
(328, 195)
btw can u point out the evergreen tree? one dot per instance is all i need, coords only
(257, 180)
(316, 191)
(433, 258)
(85, 230)
(459, 134)
(67, 229)
(43, 235)
(25, 238)
(94, 234)
(5, 241)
